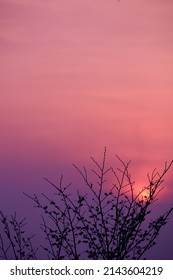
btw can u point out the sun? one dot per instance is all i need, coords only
(141, 190)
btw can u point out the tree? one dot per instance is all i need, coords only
(14, 244)
(108, 222)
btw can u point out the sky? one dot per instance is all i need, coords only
(76, 76)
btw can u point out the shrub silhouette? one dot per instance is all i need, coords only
(14, 244)
(109, 221)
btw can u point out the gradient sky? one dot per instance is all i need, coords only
(76, 76)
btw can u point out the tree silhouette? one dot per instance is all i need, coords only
(14, 244)
(109, 221)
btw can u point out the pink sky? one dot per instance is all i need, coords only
(76, 76)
